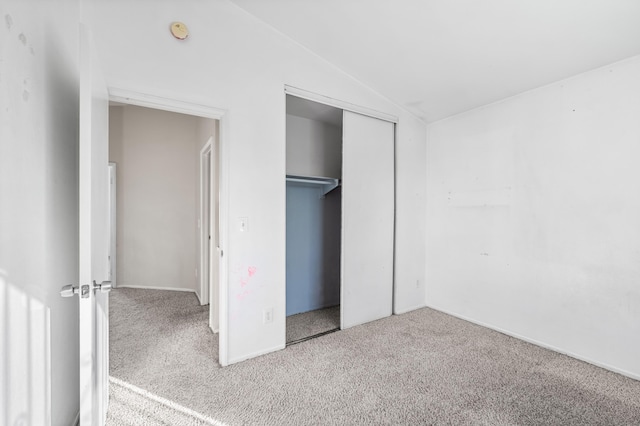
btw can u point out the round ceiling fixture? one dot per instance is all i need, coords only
(179, 30)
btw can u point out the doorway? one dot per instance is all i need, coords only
(167, 246)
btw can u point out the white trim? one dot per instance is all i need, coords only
(409, 309)
(133, 97)
(144, 287)
(538, 343)
(223, 218)
(347, 106)
(256, 354)
(205, 254)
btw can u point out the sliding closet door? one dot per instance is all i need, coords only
(367, 219)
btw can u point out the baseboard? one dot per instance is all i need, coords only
(409, 309)
(538, 343)
(144, 287)
(256, 354)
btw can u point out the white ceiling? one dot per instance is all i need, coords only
(437, 58)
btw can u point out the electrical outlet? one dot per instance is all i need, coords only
(267, 316)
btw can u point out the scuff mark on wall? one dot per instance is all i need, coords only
(25, 91)
(22, 38)
(8, 21)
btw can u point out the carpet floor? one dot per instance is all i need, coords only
(423, 367)
(300, 326)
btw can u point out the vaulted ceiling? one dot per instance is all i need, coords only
(438, 58)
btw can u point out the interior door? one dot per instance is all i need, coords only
(367, 219)
(94, 237)
(214, 243)
(112, 271)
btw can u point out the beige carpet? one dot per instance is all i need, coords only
(301, 326)
(423, 367)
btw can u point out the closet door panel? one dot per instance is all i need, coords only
(367, 219)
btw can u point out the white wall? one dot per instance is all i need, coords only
(157, 196)
(234, 62)
(533, 216)
(38, 211)
(314, 148)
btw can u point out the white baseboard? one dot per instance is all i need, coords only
(409, 309)
(144, 287)
(256, 354)
(538, 343)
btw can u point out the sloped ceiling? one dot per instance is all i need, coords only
(438, 58)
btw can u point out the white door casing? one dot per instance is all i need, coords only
(94, 236)
(112, 225)
(367, 219)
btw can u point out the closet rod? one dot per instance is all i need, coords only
(327, 184)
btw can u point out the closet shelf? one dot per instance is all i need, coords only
(326, 184)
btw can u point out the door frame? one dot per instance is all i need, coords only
(204, 222)
(134, 97)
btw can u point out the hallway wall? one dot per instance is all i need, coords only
(157, 154)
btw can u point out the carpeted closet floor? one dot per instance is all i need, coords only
(423, 367)
(302, 326)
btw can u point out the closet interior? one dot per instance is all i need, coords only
(313, 218)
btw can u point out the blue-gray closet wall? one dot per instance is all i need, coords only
(313, 248)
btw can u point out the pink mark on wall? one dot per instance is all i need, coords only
(243, 295)
(245, 281)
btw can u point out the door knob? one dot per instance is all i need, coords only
(83, 291)
(69, 291)
(104, 287)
